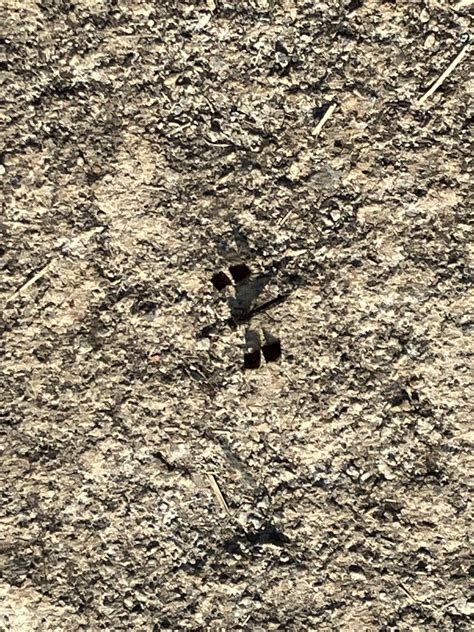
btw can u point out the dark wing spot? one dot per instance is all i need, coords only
(272, 347)
(240, 272)
(220, 280)
(272, 352)
(252, 359)
(252, 355)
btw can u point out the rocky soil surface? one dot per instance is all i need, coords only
(149, 481)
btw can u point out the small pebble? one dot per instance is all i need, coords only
(430, 41)
(424, 16)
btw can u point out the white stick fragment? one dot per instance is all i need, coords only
(30, 282)
(445, 75)
(220, 498)
(327, 115)
(282, 220)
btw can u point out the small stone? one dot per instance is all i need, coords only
(430, 41)
(424, 16)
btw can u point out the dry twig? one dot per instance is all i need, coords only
(30, 282)
(285, 218)
(445, 75)
(218, 494)
(327, 115)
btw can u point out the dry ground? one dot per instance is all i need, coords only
(149, 144)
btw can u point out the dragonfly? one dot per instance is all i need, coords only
(243, 307)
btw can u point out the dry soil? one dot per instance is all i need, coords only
(149, 482)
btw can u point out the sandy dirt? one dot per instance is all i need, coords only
(149, 482)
